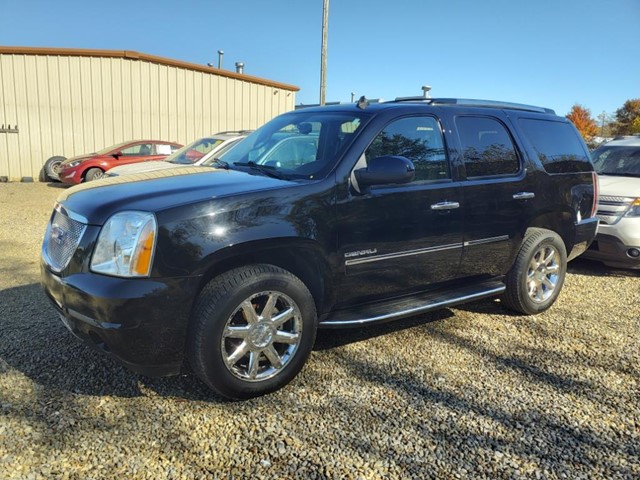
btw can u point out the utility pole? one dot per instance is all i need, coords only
(323, 53)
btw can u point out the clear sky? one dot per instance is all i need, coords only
(552, 53)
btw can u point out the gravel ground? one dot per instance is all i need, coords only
(470, 392)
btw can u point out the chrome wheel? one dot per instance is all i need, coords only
(543, 273)
(261, 336)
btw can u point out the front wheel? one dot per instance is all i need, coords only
(536, 278)
(93, 174)
(252, 330)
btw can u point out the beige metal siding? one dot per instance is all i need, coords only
(70, 105)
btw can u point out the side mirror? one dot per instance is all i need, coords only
(386, 169)
(116, 154)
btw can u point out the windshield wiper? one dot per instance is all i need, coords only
(265, 169)
(220, 163)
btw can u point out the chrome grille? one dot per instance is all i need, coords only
(61, 240)
(611, 209)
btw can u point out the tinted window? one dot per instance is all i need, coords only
(557, 144)
(487, 148)
(417, 138)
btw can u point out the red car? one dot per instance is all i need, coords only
(85, 168)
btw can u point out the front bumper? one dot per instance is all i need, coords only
(611, 251)
(72, 176)
(140, 322)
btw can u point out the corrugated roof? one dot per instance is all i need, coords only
(132, 55)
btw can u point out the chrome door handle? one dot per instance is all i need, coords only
(445, 206)
(523, 195)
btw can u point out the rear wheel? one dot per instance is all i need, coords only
(252, 330)
(93, 174)
(536, 278)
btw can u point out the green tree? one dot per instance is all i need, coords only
(627, 120)
(581, 118)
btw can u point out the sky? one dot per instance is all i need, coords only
(551, 53)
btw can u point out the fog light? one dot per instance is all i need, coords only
(633, 252)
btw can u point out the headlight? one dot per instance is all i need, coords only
(72, 164)
(634, 209)
(125, 245)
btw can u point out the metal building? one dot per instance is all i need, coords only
(69, 102)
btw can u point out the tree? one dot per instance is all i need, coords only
(581, 118)
(627, 119)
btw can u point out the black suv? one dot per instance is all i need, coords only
(332, 217)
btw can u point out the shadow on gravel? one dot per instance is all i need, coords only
(582, 266)
(37, 344)
(540, 438)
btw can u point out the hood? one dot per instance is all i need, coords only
(619, 186)
(160, 190)
(142, 167)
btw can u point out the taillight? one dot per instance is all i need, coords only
(596, 193)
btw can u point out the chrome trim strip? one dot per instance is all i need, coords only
(414, 311)
(72, 215)
(408, 253)
(481, 241)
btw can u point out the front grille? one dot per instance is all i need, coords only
(611, 209)
(62, 239)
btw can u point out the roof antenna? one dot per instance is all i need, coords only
(425, 91)
(362, 103)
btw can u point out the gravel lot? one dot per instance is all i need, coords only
(470, 392)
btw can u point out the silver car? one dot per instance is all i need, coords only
(201, 152)
(618, 241)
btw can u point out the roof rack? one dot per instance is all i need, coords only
(469, 102)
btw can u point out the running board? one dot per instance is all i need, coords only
(409, 306)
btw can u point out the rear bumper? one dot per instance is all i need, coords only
(585, 232)
(140, 322)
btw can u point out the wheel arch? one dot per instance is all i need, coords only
(560, 222)
(303, 258)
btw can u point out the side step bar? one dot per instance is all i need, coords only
(408, 306)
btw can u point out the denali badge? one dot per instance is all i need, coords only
(359, 253)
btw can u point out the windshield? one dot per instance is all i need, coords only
(190, 154)
(622, 161)
(297, 144)
(112, 148)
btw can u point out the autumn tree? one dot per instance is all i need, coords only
(627, 120)
(581, 118)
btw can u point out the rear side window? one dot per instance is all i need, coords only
(487, 148)
(558, 146)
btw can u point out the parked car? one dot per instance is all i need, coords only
(374, 213)
(199, 152)
(618, 241)
(85, 168)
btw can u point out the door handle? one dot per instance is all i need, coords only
(523, 195)
(445, 206)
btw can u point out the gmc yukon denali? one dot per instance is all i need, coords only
(325, 217)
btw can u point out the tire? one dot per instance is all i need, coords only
(536, 278)
(233, 342)
(52, 166)
(93, 174)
